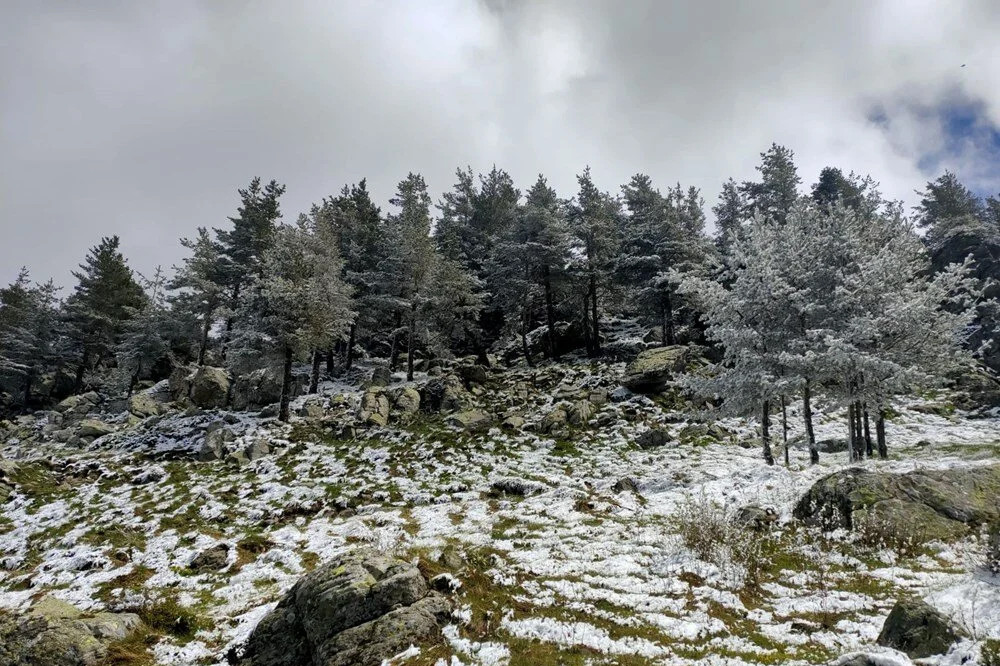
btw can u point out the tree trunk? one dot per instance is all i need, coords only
(668, 317)
(29, 378)
(765, 431)
(851, 435)
(550, 316)
(350, 346)
(857, 430)
(409, 345)
(595, 322)
(525, 349)
(868, 433)
(883, 451)
(784, 430)
(132, 381)
(586, 325)
(203, 344)
(229, 321)
(807, 415)
(394, 349)
(317, 361)
(80, 371)
(286, 386)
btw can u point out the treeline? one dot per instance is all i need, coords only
(803, 294)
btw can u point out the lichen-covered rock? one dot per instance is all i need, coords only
(653, 438)
(359, 609)
(78, 405)
(917, 629)
(95, 428)
(213, 447)
(473, 420)
(406, 405)
(580, 412)
(444, 394)
(936, 504)
(215, 558)
(209, 387)
(653, 369)
(555, 420)
(145, 405)
(54, 633)
(374, 408)
(262, 387)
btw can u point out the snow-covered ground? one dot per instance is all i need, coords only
(575, 569)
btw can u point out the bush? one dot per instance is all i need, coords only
(712, 532)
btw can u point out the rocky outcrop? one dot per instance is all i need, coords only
(357, 610)
(54, 633)
(374, 408)
(406, 404)
(917, 629)
(262, 387)
(473, 420)
(654, 369)
(653, 438)
(444, 394)
(936, 504)
(215, 558)
(144, 405)
(93, 428)
(208, 387)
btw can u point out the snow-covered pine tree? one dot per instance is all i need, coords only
(99, 307)
(199, 286)
(777, 190)
(145, 339)
(28, 316)
(593, 218)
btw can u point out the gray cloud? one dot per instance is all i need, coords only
(142, 119)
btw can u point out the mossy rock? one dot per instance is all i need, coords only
(653, 369)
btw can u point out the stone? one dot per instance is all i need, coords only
(151, 474)
(626, 483)
(406, 405)
(555, 420)
(444, 394)
(653, 438)
(514, 486)
(756, 517)
(78, 405)
(314, 407)
(473, 420)
(262, 387)
(472, 374)
(213, 447)
(918, 629)
(653, 369)
(215, 558)
(621, 394)
(94, 428)
(374, 408)
(359, 609)
(257, 449)
(144, 405)
(514, 423)
(936, 504)
(209, 387)
(445, 583)
(54, 633)
(381, 376)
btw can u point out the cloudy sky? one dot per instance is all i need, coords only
(143, 118)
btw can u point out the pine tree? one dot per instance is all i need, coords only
(101, 304)
(144, 341)
(299, 305)
(28, 332)
(729, 213)
(593, 219)
(200, 285)
(777, 190)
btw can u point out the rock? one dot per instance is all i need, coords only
(374, 408)
(54, 633)
(626, 483)
(756, 517)
(621, 394)
(445, 583)
(515, 486)
(381, 376)
(239, 457)
(151, 474)
(215, 558)
(598, 398)
(407, 404)
(257, 449)
(514, 422)
(452, 558)
(357, 610)
(653, 438)
(555, 420)
(936, 504)
(144, 405)
(473, 420)
(918, 630)
(472, 374)
(94, 428)
(209, 387)
(270, 411)
(314, 407)
(444, 394)
(976, 387)
(213, 447)
(580, 412)
(262, 387)
(653, 369)
(79, 405)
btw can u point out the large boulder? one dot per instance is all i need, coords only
(78, 406)
(406, 405)
(374, 407)
(444, 394)
(144, 405)
(95, 428)
(209, 387)
(358, 610)
(936, 504)
(917, 629)
(263, 387)
(54, 633)
(654, 369)
(472, 420)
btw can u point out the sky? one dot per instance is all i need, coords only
(143, 119)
